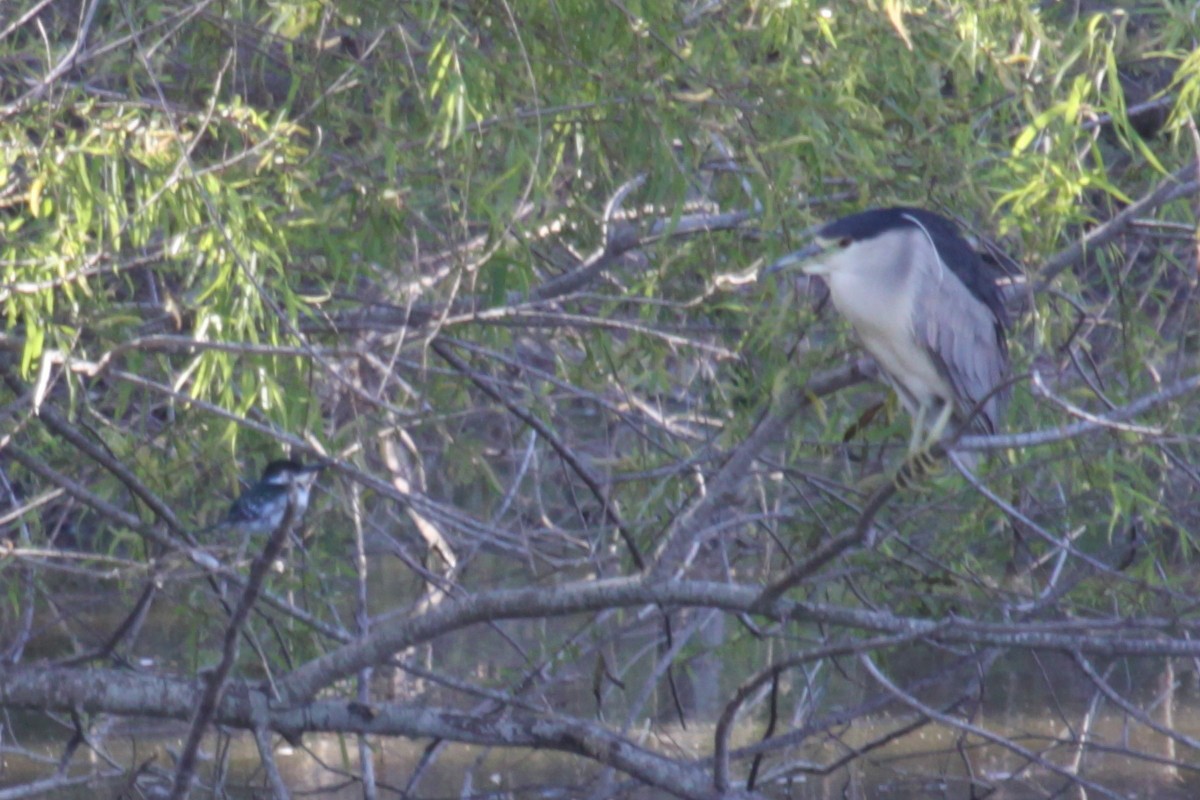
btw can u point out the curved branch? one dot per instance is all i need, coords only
(1110, 637)
(1075, 429)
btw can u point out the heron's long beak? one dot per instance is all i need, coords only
(796, 257)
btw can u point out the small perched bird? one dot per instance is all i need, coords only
(260, 508)
(923, 306)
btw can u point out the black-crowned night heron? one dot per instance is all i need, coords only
(920, 301)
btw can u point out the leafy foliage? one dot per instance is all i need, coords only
(495, 263)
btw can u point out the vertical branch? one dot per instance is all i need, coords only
(262, 738)
(362, 625)
(216, 680)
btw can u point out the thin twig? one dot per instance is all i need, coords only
(1169, 188)
(564, 452)
(1023, 441)
(769, 430)
(983, 733)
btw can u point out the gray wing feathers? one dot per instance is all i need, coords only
(961, 336)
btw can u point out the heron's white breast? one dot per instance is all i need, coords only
(873, 287)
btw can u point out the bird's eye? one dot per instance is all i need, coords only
(844, 242)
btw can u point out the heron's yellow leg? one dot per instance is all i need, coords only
(914, 440)
(939, 425)
(921, 461)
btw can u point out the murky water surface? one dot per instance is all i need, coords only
(934, 762)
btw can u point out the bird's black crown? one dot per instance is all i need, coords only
(288, 466)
